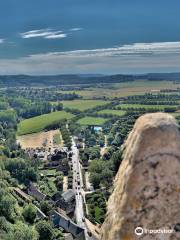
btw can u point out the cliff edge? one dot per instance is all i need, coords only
(145, 203)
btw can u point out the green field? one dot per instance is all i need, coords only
(176, 114)
(136, 106)
(125, 89)
(83, 105)
(92, 121)
(113, 112)
(48, 172)
(57, 138)
(39, 123)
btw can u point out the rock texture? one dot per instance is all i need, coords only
(147, 186)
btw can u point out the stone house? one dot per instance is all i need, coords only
(67, 201)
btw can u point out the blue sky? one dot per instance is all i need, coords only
(82, 36)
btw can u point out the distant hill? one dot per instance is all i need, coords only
(71, 79)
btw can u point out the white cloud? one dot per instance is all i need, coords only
(139, 49)
(56, 36)
(35, 33)
(43, 33)
(75, 29)
(132, 58)
(47, 33)
(1, 40)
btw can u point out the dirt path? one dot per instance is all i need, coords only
(103, 149)
(65, 184)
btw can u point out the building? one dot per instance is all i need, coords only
(68, 236)
(34, 192)
(22, 195)
(40, 214)
(69, 226)
(97, 129)
(64, 166)
(53, 164)
(67, 201)
(58, 155)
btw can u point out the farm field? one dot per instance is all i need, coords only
(57, 138)
(154, 85)
(38, 140)
(113, 112)
(136, 106)
(88, 121)
(176, 114)
(39, 123)
(125, 89)
(83, 105)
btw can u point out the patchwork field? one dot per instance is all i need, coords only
(92, 121)
(83, 104)
(137, 106)
(113, 112)
(125, 89)
(39, 123)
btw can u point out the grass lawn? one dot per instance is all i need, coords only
(52, 185)
(83, 105)
(48, 187)
(136, 106)
(48, 171)
(113, 112)
(57, 138)
(92, 121)
(176, 114)
(39, 123)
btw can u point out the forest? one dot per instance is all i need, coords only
(71, 79)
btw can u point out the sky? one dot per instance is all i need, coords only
(40, 37)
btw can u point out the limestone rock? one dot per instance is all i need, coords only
(147, 186)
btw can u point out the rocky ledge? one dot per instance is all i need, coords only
(147, 187)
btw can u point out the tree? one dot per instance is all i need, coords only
(45, 230)
(59, 182)
(7, 207)
(4, 225)
(29, 213)
(59, 106)
(110, 139)
(92, 141)
(106, 176)
(22, 231)
(96, 166)
(94, 153)
(21, 169)
(45, 207)
(95, 179)
(117, 141)
(101, 143)
(116, 159)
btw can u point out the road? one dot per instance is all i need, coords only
(79, 190)
(103, 149)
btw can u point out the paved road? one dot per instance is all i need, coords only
(78, 188)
